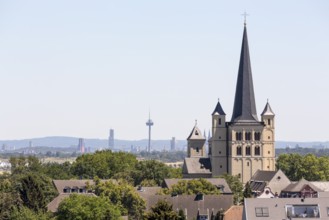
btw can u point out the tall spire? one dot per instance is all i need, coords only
(244, 109)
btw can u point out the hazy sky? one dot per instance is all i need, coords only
(78, 68)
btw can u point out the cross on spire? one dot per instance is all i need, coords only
(245, 17)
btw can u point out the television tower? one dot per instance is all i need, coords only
(149, 123)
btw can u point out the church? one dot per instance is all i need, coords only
(239, 146)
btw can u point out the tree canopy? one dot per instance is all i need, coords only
(82, 207)
(309, 167)
(123, 195)
(192, 187)
(236, 187)
(162, 210)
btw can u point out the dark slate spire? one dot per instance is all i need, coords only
(244, 109)
(218, 109)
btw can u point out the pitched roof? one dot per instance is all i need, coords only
(219, 110)
(61, 184)
(218, 182)
(244, 109)
(53, 205)
(196, 134)
(299, 186)
(235, 212)
(263, 175)
(192, 206)
(268, 110)
(197, 165)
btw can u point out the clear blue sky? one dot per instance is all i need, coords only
(79, 68)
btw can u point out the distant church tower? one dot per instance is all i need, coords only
(244, 144)
(196, 143)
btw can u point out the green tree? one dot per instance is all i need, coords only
(24, 213)
(124, 196)
(58, 171)
(24, 164)
(103, 164)
(35, 190)
(309, 166)
(82, 207)
(247, 192)
(236, 187)
(162, 211)
(192, 187)
(151, 170)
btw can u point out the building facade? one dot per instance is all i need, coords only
(244, 144)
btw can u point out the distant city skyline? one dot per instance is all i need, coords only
(79, 68)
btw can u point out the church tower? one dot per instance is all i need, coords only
(196, 143)
(218, 143)
(244, 144)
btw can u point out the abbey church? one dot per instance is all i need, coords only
(239, 146)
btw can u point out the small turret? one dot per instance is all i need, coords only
(268, 116)
(196, 143)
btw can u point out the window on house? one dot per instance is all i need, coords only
(248, 136)
(248, 151)
(248, 164)
(239, 151)
(219, 121)
(197, 150)
(261, 212)
(269, 121)
(257, 151)
(238, 136)
(257, 136)
(302, 211)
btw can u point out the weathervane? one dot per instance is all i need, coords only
(245, 17)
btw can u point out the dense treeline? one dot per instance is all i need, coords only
(25, 193)
(303, 151)
(309, 166)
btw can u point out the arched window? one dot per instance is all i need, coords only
(239, 151)
(248, 136)
(257, 136)
(238, 136)
(248, 151)
(257, 151)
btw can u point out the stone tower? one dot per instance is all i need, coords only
(196, 143)
(244, 144)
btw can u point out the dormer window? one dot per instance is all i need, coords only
(196, 133)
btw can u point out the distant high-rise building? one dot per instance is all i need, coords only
(173, 144)
(81, 146)
(111, 139)
(149, 123)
